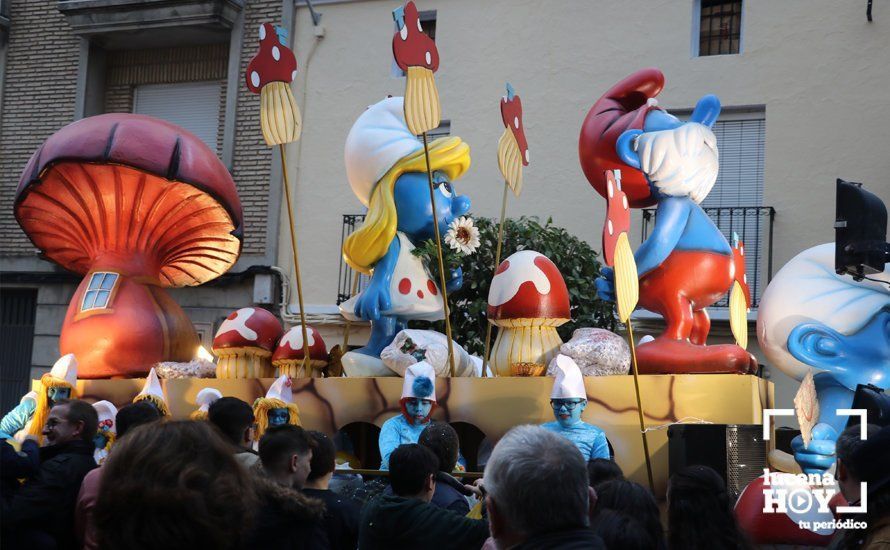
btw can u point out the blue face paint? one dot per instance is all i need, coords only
(418, 409)
(568, 411)
(278, 417)
(413, 208)
(57, 394)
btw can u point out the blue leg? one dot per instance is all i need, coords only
(383, 331)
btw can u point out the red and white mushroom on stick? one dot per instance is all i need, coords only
(135, 204)
(528, 299)
(288, 357)
(269, 74)
(244, 344)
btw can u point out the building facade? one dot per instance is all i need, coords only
(803, 85)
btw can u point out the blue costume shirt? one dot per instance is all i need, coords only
(17, 418)
(397, 431)
(589, 439)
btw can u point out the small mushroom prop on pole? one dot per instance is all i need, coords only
(527, 300)
(135, 204)
(270, 74)
(244, 344)
(417, 55)
(740, 295)
(288, 357)
(512, 156)
(618, 254)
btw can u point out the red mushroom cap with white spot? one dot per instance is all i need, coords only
(738, 259)
(275, 62)
(617, 216)
(291, 345)
(511, 113)
(411, 47)
(527, 285)
(248, 327)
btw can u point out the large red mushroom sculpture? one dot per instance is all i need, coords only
(288, 357)
(135, 204)
(245, 342)
(527, 300)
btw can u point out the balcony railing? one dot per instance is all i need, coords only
(754, 226)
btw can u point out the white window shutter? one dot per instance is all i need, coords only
(192, 105)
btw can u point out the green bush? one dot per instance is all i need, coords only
(576, 260)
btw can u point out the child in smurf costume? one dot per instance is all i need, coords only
(417, 403)
(386, 169)
(811, 318)
(569, 399)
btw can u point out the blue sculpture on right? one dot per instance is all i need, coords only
(812, 319)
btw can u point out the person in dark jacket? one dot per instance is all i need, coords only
(235, 420)
(538, 494)
(41, 514)
(406, 519)
(442, 440)
(16, 465)
(286, 519)
(341, 513)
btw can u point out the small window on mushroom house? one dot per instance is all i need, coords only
(98, 294)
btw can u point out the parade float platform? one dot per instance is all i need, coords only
(494, 405)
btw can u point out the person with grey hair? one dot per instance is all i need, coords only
(537, 492)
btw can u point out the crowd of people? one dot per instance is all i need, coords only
(200, 484)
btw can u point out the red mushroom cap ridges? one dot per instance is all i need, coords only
(411, 47)
(527, 285)
(275, 62)
(249, 327)
(291, 345)
(511, 113)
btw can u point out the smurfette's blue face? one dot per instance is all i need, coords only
(413, 208)
(418, 409)
(278, 417)
(859, 358)
(568, 411)
(57, 394)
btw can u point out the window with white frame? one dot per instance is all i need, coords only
(192, 105)
(99, 290)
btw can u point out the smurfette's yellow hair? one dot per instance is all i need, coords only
(263, 405)
(156, 401)
(41, 410)
(369, 243)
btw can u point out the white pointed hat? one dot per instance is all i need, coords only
(569, 383)
(65, 369)
(153, 386)
(420, 382)
(377, 141)
(281, 389)
(207, 397)
(107, 414)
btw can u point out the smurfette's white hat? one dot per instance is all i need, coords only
(377, 141)
(420, 382)
(281, 390)
(65, 369)
(107, 413)
(569, 383)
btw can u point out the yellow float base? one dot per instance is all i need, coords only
(494, 405)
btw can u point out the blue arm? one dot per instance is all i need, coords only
(673, 212)
(376, 297)
(16, 419)
(600, 447)
(388, 442)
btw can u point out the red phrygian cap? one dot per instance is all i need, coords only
(623, 107)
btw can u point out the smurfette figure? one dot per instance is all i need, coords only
(29, 416)
(107, 432)
(277, 408)
(386, 169)
(153, 394)
(569, 399)
(417, 403)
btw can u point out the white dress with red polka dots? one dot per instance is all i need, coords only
(413, 293)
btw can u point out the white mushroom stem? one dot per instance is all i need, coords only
(524, 341)
(244, 363)
(294, 368)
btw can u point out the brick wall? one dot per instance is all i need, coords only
(38, 99)
(252, 159)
